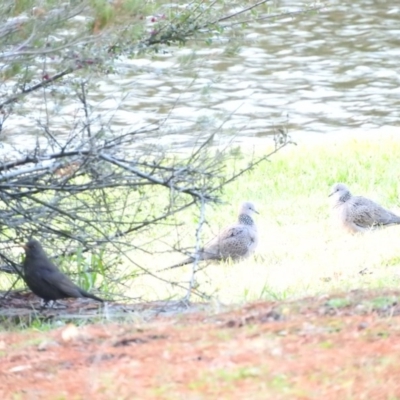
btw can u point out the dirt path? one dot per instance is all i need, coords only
(339, 347)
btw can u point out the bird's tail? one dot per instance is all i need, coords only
(393, 220)
(180, 264)
(91, 296)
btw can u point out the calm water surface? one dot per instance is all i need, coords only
(324, 73)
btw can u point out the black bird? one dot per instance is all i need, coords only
(45, 279)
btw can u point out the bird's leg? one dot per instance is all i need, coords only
(43, 303)
(47, 304)
(52, 303)
(55, 305)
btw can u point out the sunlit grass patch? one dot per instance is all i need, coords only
(302, 249)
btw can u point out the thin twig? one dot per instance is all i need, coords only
(196, 258)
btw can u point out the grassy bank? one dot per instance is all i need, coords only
(302, 250)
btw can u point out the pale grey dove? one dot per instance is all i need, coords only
(359, 214)
(235, 242)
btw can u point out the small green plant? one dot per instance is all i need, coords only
(380, 303)
(338, 303)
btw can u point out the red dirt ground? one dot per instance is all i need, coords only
(345, 346)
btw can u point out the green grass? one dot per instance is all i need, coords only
(338, 303)
(302, 250)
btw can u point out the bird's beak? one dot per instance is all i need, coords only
(256, 212)
(331, 194)
(25, 247)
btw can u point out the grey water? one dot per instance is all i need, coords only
(331, 71)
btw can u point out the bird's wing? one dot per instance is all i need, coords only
(231, 232)
(367, 213)
(63, 283)
(228, 233)
(233, 242)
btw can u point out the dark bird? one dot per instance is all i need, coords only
(45, 279)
